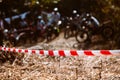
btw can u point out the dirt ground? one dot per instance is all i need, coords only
(34, 67)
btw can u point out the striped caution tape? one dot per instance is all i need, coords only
(64, 52)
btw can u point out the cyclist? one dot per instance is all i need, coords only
(92, 21)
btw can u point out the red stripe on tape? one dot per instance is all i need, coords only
(88, 52)
(19, 50)
(51, 53)
(61, 53)
(0, 48)
(105, 52)
(9, 49)
(33, 51)
(74, 53)
(41, 52)
(26, 51)
(14, 50)
(4, 49)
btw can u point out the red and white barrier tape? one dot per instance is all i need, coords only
(64, 52)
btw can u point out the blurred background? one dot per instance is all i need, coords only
(102, 9)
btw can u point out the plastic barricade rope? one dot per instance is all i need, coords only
(64, 52)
